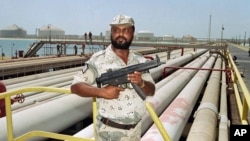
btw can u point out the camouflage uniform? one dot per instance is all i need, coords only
(128, 108)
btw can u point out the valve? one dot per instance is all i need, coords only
(19, 98)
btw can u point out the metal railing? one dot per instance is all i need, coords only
(7, 97)
(243, 98)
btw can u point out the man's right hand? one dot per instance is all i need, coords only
(110, 92)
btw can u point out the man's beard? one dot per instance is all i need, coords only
(118, 45)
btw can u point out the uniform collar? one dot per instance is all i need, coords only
(110, 55)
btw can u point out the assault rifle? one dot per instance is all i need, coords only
(118, 77)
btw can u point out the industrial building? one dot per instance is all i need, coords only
(144, 35)
(50, 30)
(168, 37)
(13, 31)
(188, 38)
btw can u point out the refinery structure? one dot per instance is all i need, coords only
(52, 31)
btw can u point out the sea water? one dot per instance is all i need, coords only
(11, 47)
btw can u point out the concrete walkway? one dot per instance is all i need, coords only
(242, 62)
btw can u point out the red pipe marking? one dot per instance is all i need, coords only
(171, 115)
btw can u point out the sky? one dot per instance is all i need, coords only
(161, 17)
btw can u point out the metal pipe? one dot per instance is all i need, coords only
(160, 100)
(174, 118)
(52, 116)
(47, 81)
(175, 53)
(177, 62)
(207, 114)
(224, 123)
(39, 76)
(176, 73)
(39, 96)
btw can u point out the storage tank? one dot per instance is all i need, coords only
(13, 31)
(50, 30)
(168, 37)
(145, 35)
(188, 37)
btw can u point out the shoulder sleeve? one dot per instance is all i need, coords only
(138, 56)
(88, 75)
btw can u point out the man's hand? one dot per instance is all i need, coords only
(136, 78)
(110, 92)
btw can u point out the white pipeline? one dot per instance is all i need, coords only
(46, 81)
(207, 114)
(38, 76)
(39, 96)
(175, 117)
(175, 62)
(223, 124)
(179, 71)
(52, 116)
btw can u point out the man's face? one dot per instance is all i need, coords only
(122, 36)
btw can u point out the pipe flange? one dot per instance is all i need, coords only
(208, 105)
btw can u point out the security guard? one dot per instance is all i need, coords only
(120, 108)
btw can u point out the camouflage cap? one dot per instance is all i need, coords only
(122, 20)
